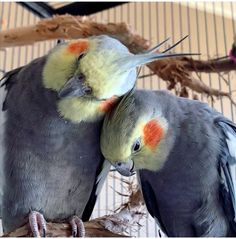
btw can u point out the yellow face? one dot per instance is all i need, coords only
(144, 145)
(101, 74)
(83, 57)
(63, 63)
(149, 146)
(84, 109)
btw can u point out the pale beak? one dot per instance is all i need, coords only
(75, 87)
(125, 168)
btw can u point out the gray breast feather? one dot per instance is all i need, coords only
(102, 176)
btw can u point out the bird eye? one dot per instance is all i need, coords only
(80, 57)
(136, 146)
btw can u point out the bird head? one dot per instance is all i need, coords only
(135, 134)
(97, 67)
(89, 74)
(89, 67)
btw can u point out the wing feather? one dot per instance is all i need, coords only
(227, 168)
(102, 173)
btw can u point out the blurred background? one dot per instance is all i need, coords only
(211, 28)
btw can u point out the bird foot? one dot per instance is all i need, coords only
(37, 222)
(77, 225)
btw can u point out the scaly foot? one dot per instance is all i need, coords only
(77, 225)
(37, 223)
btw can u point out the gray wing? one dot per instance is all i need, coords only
(227, 168)
(102, 173)
(1, 162)
(2, 120)
(150, 199)
(7, 80)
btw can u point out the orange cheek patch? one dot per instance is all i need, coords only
(78, 47)
(108, 104)
(153, 134)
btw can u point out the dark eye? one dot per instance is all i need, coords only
(80, 57)
(136, 146)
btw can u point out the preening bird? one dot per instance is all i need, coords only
(184, 153)
(53, 166)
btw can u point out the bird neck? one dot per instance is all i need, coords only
(84, 109)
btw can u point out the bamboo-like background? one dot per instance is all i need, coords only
(211, 28)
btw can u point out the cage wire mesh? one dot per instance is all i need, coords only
(211, 29)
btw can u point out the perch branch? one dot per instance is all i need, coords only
(70, 27)
(128, 215)
(93, 229)
(173, 71)
(210, 66)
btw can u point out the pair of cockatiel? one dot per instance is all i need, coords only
(53, 165)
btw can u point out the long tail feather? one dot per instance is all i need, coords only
(156, 47)
(177, 43)
(132, 61)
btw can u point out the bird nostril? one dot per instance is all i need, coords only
(119, 164)
(88, 90)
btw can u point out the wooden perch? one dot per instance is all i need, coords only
(221, 65)
(93, 229)
(118, 224)
(71, 27)
(174, 71)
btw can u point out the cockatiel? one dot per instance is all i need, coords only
(184, 153)
(54, 107)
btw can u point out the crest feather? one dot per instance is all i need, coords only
(118, 124)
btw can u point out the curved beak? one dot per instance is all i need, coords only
(75, 87)
(125, 168)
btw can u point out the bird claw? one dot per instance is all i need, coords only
(36, 221)
(77, 225)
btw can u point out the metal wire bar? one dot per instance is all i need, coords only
(158, 37)
(198, 39)
(207, 45)
(226, 51)
(217, 52)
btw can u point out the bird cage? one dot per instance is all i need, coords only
(211, 30)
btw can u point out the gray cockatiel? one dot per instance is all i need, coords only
(185, 156)
(55, 106)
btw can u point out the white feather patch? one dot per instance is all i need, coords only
(233, 174)
(161, 233)
(102, 176)
(231, 142)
